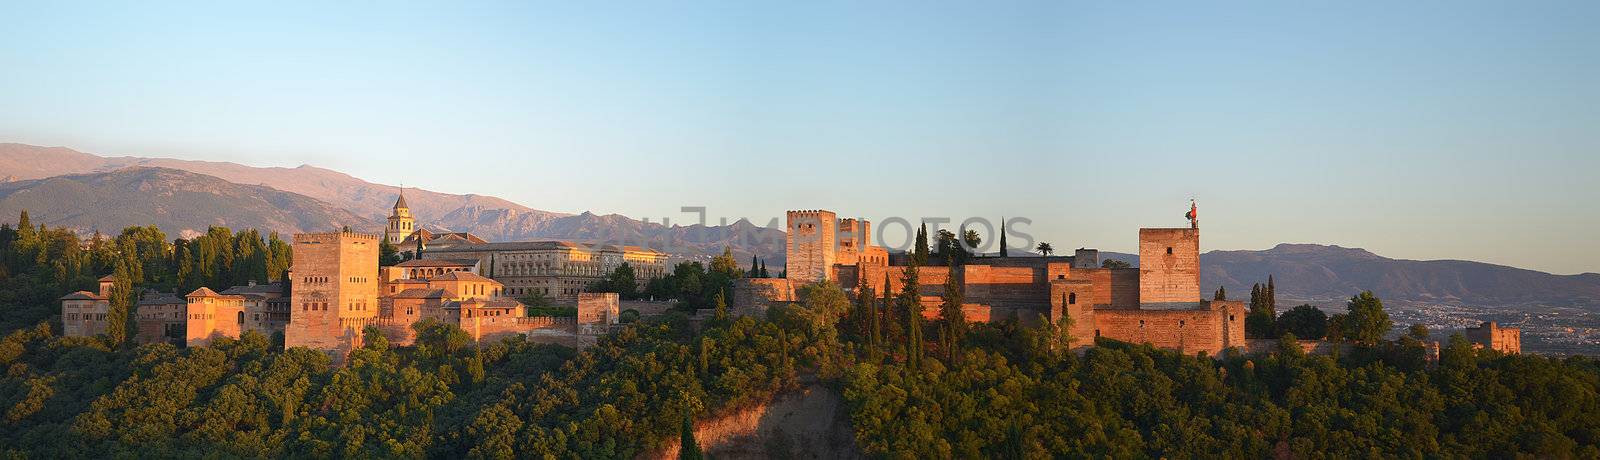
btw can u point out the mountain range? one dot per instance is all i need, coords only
(65, 187)
(52, 170)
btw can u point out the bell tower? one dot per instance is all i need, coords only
(401, 224)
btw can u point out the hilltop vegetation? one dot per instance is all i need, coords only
(39, 264)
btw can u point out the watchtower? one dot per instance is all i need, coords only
(810, 245)
(335, 289)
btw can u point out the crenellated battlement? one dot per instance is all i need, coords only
(811, 213)
(329, 237)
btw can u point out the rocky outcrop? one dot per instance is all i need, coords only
(811, 422)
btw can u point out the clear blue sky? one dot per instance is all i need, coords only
(1465, 130)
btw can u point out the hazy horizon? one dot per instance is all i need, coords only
(1416, 131)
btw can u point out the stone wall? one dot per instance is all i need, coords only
(1310, 347)
(999, 285)
(1115, 288)
(598, 308)
(1073, 299)
(1186, 331)
(754, 295)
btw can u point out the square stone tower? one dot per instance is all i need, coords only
(1169, 268)
(811, 245)
(853, 240)
(335, 290)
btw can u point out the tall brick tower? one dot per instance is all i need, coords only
(810, 245)
(1169, 266)
(335, 290)
(401, 224)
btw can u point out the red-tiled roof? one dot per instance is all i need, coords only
(461, 276)
(82, 295)
(438, 263)
(420, 293)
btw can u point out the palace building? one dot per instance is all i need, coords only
(559, 270)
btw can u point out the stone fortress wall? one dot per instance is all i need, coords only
(1159, 303)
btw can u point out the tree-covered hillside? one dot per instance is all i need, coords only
(914, 388)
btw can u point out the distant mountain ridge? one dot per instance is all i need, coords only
(492, 218)
(179, 202)
(373, 201)
(1322, 272)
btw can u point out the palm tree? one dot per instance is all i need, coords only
(1044, 249)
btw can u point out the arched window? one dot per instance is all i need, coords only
(241, 317)
(1072, 298)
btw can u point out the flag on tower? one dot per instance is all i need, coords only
(1194, 212)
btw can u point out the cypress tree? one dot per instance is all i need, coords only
(688, 449)
(755, 271)
(764, 273)
(911, 306)
(25, 231)
(1271, 297)
(1222, 293)
(1003, 237)
(952, 319)
(122, 299)
(921, 255)
(877, 315)
(721, 305)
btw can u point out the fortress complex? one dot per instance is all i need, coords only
(1158, 303)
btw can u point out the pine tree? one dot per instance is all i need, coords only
(1003, 237)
